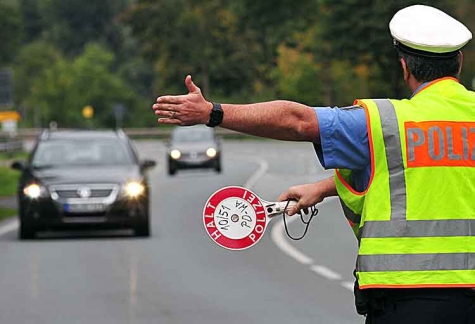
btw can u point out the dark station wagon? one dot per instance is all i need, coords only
(83, 179)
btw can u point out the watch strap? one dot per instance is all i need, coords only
(216, 115)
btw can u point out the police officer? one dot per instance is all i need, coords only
(405, 172)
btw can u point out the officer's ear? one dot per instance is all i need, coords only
(461, 61)
(404, 69)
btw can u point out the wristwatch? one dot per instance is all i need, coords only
(216, 115)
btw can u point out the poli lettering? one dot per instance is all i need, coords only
(440, 144)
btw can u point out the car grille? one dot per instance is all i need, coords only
(84, 191)
(194, 155)
(94, 193)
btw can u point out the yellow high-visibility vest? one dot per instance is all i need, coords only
(416, 219)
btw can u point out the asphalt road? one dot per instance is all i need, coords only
(179, 275)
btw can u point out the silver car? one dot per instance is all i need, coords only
(193, 147)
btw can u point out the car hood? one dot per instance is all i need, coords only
(187, 147)
(89, 174)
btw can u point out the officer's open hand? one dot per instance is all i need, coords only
(183, 110)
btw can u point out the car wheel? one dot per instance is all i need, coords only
(217, 167)
(142, 230)
(171, 168)
(26, 233)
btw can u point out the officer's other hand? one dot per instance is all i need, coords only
(183, 110)
(305, 195)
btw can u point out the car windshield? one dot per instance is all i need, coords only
(81, 153)
(184, 135)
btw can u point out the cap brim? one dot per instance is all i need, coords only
(431, 55)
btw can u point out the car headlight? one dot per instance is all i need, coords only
(175, 154)
(34, 191)
(133, 189)
(211, 152)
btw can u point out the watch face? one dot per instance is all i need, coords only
(216, 115)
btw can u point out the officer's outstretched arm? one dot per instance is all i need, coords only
(279, 119)
(308, 195)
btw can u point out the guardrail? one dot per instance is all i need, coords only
(10, 144)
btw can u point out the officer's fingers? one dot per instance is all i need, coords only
(190, 85)
(289, 194)
(175, 100)
(162, 112)
(169, 121)
(283, 196)
(293, 208)
(164, 109)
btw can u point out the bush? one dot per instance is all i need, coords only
(9, 180)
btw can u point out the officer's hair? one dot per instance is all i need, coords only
(426, 69)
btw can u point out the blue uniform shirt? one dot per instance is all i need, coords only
(344, 141)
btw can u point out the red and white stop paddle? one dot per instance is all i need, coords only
(236, 218)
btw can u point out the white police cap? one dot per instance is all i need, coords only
(427, 31)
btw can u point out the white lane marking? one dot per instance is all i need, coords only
(279, 238)
(277, 235)
(284, 245)
(325, 272)
(263, 166)
(11, 226)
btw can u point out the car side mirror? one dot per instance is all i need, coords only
(147, 164)
(18, 165)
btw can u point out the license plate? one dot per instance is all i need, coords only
(83, 208)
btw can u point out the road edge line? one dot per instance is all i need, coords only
(10, 226)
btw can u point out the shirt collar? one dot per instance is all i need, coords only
(419, 89)
(428, 84)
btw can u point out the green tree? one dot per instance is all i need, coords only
(30, 68)
(61, 88)
(72, 24)
(200, 37)
(273, 24)
(96, 84)
(32, 19)
(465, 11)
(357, 31)
(295, 76)
(298, 71)
(10, 32)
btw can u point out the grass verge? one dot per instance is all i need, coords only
(7, 213)
(9, 181)
(13, 156)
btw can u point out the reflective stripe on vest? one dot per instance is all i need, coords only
(417, 262)
(392, 140)
(349, 214)
(353, 219)
(419, 228)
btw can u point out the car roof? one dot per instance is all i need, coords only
(201, 128)
(82, 134)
